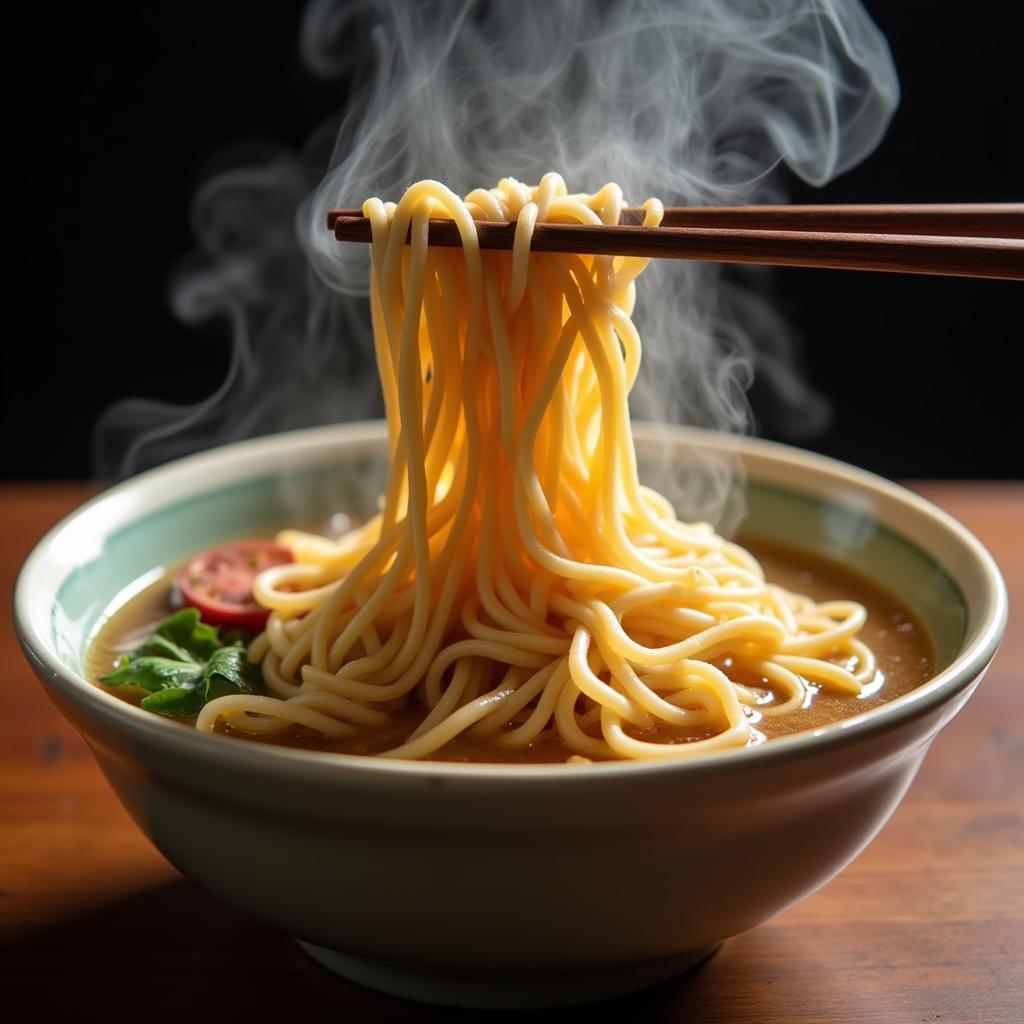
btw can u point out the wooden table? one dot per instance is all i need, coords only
(927, 925)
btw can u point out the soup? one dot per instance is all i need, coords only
(901, 644)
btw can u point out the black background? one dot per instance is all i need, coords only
(116, 110)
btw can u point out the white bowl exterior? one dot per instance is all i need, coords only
(443, 873)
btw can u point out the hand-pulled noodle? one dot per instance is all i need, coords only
(519, 581)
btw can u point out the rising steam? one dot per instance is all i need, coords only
(693, 101)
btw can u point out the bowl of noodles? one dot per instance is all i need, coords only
(495, 723)
(506, 884)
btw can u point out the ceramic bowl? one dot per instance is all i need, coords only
(504, 885)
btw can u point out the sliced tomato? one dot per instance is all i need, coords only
(219, 582)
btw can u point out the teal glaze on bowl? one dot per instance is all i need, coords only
(345, 852)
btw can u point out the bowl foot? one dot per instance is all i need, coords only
(497, 992)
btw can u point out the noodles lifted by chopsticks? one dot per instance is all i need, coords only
(519, 581)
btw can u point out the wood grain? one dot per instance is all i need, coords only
(927, 925)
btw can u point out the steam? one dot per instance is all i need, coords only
(693, 101)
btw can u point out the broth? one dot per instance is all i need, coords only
(900, 642)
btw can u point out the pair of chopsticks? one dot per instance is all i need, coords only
(956, 240)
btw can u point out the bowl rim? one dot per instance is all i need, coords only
(262, 456)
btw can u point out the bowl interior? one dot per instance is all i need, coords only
(98, 557)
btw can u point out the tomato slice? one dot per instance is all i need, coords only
(219, 582)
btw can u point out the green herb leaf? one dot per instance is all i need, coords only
(227, 672)
(155, 673)
(186, 635)
(175, 701)
(184, 664)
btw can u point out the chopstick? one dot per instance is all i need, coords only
(993, 220)
(961, 240)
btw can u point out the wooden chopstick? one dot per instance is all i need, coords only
(991, 220)
(965, 240)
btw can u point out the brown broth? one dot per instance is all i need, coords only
(901, 644)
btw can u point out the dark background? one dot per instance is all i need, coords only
(116, 110)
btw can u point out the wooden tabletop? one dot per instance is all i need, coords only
(926, 925)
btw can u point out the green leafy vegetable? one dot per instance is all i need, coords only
(184, 664)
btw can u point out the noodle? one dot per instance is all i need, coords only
(519, 583)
